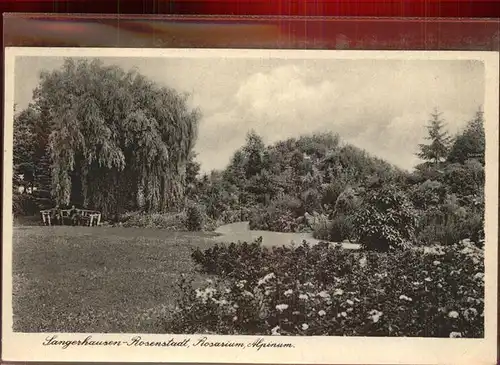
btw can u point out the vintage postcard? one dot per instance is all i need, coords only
(250, 206)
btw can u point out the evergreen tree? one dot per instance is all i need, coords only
(438, 147)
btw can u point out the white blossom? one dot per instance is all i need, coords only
(266, 278)
(404, 297)
(375, 315)
(363, 261)
(479, 275)
(470, 313)
(275, 331)
(282, 307)
(288, 292)
(338, 292)
(241, 284)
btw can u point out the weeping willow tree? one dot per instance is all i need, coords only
(118, 141)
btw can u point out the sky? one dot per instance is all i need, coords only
(381, 106)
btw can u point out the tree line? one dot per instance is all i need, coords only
(114, 141)
(317, 182)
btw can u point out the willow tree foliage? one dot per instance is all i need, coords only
(118, 141)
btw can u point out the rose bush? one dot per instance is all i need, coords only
(325, 290)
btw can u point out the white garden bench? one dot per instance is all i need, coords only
(89, 217)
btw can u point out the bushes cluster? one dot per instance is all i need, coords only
(280, 216)
(339, 229)
(324, 290)
(250, 261)
(385, 220)
(378, 217)
(171, 221)
(240, 259)
(447, 230)
(24, 205)
(193, 218)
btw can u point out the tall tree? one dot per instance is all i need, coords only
(471, 143)
(24, 147)
(192, 172)
(254, 151)
(31, 159)
(438, 147)
(115, 133)
(235, 171)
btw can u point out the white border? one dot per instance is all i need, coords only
(308, 350)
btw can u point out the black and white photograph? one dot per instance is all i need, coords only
(236, 197)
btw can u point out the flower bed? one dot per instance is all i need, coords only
(324, 290)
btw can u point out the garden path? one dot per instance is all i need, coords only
(240, 231)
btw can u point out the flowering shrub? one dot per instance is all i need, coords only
(251, 261)
(325, 290)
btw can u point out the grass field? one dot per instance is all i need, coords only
(88, 279)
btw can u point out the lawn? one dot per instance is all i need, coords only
(96, 279)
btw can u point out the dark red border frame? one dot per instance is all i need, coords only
(263, 30)
(363, 8)
(250, 32)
